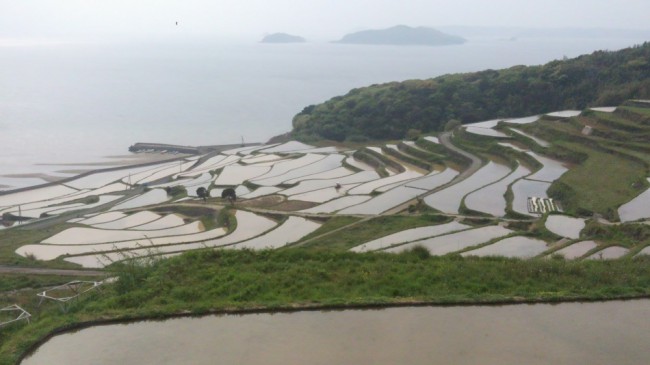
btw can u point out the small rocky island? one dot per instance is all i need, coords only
(402, 35)
(283, 38)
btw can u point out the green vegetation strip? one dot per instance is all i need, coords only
(211, 281)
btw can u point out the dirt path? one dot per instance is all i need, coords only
(44, 271)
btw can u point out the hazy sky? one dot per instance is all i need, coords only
(325, 19)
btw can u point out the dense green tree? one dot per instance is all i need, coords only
(389, 111)
(202, 193)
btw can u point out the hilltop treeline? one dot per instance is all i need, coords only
(388, 111)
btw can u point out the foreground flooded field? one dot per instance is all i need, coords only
(570, 333)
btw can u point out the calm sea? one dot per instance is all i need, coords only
(80, 102)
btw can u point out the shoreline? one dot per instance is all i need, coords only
(147, 162)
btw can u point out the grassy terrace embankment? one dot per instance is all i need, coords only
(209, 281)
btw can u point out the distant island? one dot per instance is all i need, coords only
(282, 38)
(402, 35)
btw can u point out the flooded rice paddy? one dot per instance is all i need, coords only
(448, 200)
(486, 132)
(523, 189)
(561, 334)
(409, 235)
(576, 250)
(338, 204)
(292, 230)
(565, 226)
(518, 247)
(385, 201)
(610, 253)
(537, 140)
(249, 225)
(454, 242)
(550, 171)
(491, 199)
(565, 113)
(637, 208)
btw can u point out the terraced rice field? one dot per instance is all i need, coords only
(455, 242)
(449, 199)
(410, 235)
(523, 189)
(292, 230)
(577, 249)
(109, 209)
(537, 140)
(565, 226)
(518, 247)
(491, 199)
(249, 225)
(609, 253)
(637, 208)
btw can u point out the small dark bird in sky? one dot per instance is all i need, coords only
(176, 23)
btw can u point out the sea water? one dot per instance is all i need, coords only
(69, 103)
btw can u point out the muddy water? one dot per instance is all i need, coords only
(572, 333)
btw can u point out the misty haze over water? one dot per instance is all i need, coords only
(78, 102)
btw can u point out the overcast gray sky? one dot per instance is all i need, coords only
(314, 18)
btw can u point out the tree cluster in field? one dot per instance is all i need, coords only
(389, 111)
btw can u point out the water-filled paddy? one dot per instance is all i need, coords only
(283, 167)
(287, 147)
(551, 170)
(525, 120)
(565, 226)
(488, 132)
(311, 185)
(50, 252)
(292, 230)
(359, 164)
(339, 172)
(613, 252)
(129, 221)
(261, 191)
(103, 218)
(565, 113)
(604, 109)
(369, 187)
(237, 174)
(338, 204)
(433, 180)
(168, 221)
(453, 242)
(385, 201)
(541, 334)
(88, 236)
(448, 200)
(432, 139)
(523, 189)
(323, 195)
(24, 197)
(485, 124)
(330, 162)
(637, 208)
(519, 247)
(154, 196)
(249, 225)
(409, 235)
(576, 250)
(490, 199)
(537, 140)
